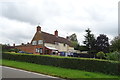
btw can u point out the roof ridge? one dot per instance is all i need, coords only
(53, 35)
(51, 38)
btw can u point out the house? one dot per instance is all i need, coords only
(45, 43)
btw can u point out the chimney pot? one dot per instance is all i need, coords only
(27, 42)
(14, 44)
(38, 28)
(67, 37)
(56, 33)
(22, 43)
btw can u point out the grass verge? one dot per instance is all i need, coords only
(55, 71)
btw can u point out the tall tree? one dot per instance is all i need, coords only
(102, 43)
(89, 41)
(116, 43)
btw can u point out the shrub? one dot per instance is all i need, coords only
(100, 54)
(113, 56)
(14, 50)
(87, 64)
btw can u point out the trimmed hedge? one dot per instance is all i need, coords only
(71, 63)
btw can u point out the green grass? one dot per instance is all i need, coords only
(55, 71)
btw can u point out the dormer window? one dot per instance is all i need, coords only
(40, 41)
(34, 42)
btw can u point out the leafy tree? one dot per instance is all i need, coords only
(74, 41)
(113, 56)
(100, 54)
(73, 37)
(75, 45)
(82, 48)
(116, 44)
(102, 43)
(89, 41)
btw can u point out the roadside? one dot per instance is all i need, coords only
(56, 71)
(8, 72)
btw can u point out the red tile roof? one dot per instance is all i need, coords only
(50, 38)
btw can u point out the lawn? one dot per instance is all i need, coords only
(56, 71)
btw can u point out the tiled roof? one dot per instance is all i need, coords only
(50, 38)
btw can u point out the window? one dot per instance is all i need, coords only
(40, 41)
(34, 42)
(39, 50)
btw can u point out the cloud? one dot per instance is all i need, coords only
(13, 31)
(20, 12)
(28, 11)
(67, 16)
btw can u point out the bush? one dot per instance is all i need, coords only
(14, 50)
(100, 54)
(113, 56)
(87, 64)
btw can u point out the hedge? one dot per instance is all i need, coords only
(107, 67)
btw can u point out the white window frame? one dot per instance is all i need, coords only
(34, 42)
(40, 41)
(39, 50)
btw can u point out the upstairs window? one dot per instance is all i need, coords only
(40, 41)
(34, 42)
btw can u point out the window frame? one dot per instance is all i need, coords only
(34, 42)
(40, 41)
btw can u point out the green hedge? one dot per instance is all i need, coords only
(72, 63)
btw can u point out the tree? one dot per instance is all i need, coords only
(82, 48)
(89, 41)
(75, 45)
(113, 56)
(73, 37)
(100, 54)
(116, 44)
(74, 41)
(102, 43)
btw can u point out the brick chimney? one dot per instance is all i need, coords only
(38, 28)
(67, 37)
(56, 33)
(14, 44)
(22, 43)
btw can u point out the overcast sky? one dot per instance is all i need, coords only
(19, 18)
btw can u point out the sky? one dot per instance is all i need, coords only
(19, 18)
